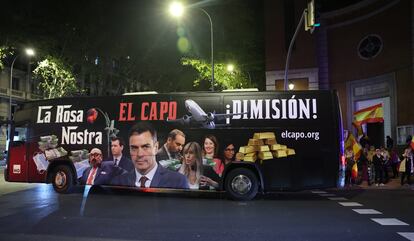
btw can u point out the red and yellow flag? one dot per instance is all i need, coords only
(359, 129)
(354, 173)
(370, 114)
(352, 143)
(412, 143)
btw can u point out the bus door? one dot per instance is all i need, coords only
(17, 165)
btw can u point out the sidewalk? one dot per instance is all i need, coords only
(10, 187)
(393, 183)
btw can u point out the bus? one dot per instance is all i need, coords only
(242, 143)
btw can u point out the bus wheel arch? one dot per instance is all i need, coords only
(242, 182)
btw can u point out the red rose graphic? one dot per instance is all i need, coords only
(91, 115)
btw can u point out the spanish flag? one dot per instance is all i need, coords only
(359, 129)
(351, 143)
(354, 173)
(370, 114)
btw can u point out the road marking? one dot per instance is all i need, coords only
(367, 211)
(337, 198)
(327, 195)
(350, 204)
(318, 192)
(409, 236)
(389, 221)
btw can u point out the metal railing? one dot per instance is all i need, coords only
(18, 94)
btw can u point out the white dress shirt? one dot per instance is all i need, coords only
(149, 176)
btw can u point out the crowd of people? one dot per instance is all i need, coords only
(379, 165)
(200, 165)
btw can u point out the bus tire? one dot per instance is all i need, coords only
(62, 179)
(241, 184)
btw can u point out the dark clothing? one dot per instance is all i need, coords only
(379, 168)
(162, 154)
(364, 141)
(390, 143)
(407, 173)
(103, 175)
(125, 163)
(403, 175)
(163, 178)
(209, 172)
(348, 171)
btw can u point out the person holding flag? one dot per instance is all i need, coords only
(355, 150)
(349, 157)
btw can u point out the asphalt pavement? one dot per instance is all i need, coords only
(36, 212)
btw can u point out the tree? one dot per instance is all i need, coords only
(223, 79)
(4, 51)
(56, 79)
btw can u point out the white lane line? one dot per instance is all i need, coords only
(389, 221)
(350, 204)
(327, 195)
(409, 236)
(337, 198)
(367, 211)
(318, 192)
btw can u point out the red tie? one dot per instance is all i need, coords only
(142, 181)
(91, 176)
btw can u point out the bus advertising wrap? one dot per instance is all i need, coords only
(187, 141)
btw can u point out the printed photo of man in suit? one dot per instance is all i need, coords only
(117, 158)
(173, 147)
(143, 146)
(99, 172)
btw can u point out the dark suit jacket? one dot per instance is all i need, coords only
(163, 178)
(209, 172)
(125, 163)
(162, 154)
(104, 174)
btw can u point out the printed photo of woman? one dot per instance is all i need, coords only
(199, 176)
(210, 151)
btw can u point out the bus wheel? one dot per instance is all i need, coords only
(62, 179)
(241, 184)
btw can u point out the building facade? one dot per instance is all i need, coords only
(22, 89)
(364, 50)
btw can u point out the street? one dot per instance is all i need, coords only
(36, 212)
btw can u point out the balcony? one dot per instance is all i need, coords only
(18, 94)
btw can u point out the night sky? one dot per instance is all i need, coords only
(141, 32)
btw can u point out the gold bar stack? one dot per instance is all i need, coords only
(263, 146)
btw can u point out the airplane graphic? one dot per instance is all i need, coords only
(198, 117)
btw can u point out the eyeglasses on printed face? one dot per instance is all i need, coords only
(96, 154)
(229, 149)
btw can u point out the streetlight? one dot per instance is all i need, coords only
(29, 52)
(231, 68)
(177, 10)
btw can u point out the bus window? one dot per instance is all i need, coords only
(20, 134)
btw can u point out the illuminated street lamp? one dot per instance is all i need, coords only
(177, 10)
(291, 86)
(230, 68)
(29, 52)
